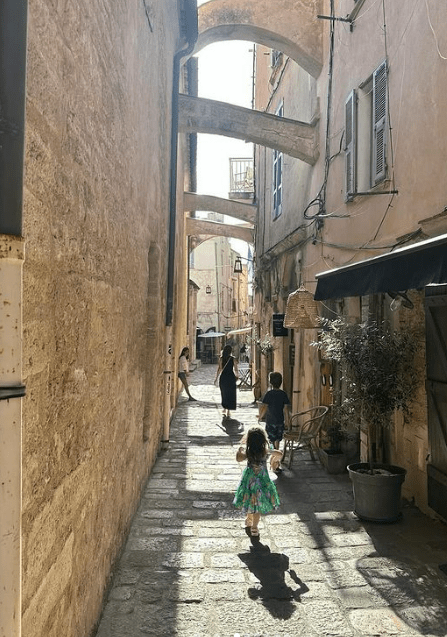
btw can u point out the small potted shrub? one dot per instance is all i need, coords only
(378, 371)
(339, 440)
(332, 457)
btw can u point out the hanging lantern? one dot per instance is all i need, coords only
(301, 310)
(237, 266)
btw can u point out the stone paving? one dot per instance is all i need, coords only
(189, 569)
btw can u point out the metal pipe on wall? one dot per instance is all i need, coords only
(11, 391)
(192, 33)
(190, 13)
(13, 46)
(13, 34)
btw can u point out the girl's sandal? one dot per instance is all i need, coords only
(254, 532)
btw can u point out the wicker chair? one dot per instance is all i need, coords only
(302, 432)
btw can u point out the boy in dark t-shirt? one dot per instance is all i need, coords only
(275, 405)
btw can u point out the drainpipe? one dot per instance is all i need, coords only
(13, 35)
(189, 13)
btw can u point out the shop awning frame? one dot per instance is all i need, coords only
(241, 330)
(408, 268)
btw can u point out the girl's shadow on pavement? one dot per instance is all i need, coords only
(270, 569)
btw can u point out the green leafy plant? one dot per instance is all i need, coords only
(377, 366)
(265, 345)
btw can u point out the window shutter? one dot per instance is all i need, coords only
(380, 78)
(350, 145)
(277, 174)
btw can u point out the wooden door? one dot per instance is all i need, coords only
(288, 363)
(436, 384)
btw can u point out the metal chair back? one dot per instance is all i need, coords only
(303, 430)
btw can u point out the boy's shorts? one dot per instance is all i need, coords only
(274, 432)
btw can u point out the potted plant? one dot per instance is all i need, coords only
(332, 457)
(339, 440)
(265, 345)
(378, 375)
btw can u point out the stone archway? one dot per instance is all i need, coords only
(290, 27)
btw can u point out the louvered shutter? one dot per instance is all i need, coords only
(350, 145)
(277, 175)
(379, 123)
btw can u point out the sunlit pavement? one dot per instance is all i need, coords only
(189, 569)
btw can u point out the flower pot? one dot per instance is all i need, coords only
(333, 461)
(377, 497)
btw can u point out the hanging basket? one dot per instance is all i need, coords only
(301, 310)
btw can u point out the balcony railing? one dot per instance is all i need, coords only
(241, 178)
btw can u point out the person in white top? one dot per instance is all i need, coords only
(183, 370)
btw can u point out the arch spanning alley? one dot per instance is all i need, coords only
(290, 27)
(196, 227)
(201, 229)
(294, 138)
(237, 209)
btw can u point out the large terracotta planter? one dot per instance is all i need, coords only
(377, 497)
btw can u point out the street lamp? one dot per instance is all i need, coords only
(238, 264)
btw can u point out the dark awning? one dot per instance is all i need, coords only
(408, 268)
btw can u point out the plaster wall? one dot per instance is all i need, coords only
(292, 27)
(410, 445)
(416, 143)
(414, 45)
(292, 87)
(95, 225)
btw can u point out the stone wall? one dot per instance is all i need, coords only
(95, 225)
(410, 445)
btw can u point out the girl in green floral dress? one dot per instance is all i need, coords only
(256, 493)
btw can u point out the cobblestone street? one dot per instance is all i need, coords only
(189, 569)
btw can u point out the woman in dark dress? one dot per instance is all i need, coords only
(228, 371)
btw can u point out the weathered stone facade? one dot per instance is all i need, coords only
(95, 224)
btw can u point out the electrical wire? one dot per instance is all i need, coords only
(434, 33)
(365, 246)
(390, 205)
(277, 84)
(359, 17)
(390, 133)
(320, 199)
(416, 4)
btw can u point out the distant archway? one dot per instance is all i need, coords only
(290, 27)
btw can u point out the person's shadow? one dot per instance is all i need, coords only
(232, 427)
(270, 569)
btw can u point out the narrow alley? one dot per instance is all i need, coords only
(189, 569)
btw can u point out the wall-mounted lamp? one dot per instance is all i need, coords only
(400, 299)
(238, 266)
(208, 289)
